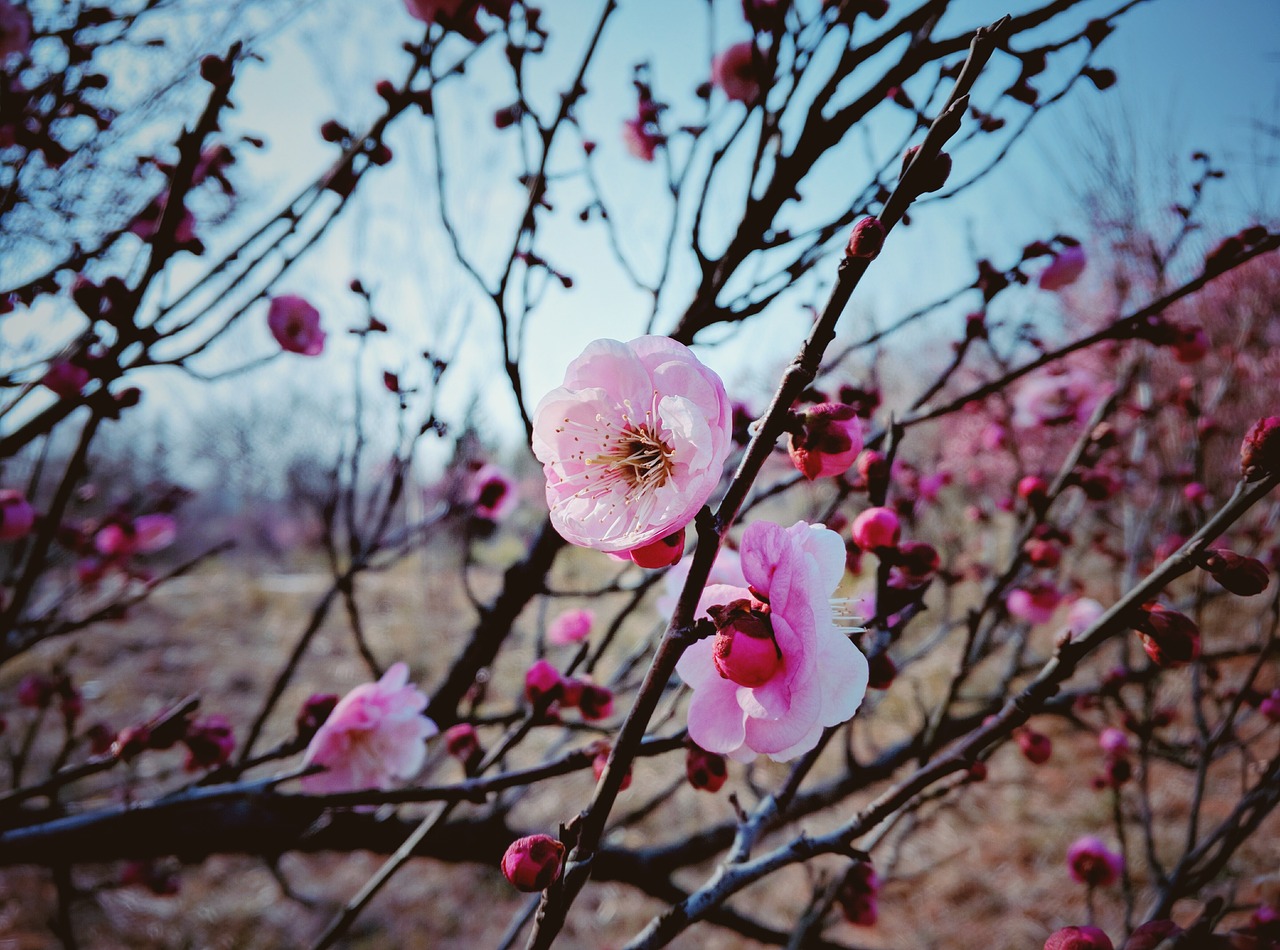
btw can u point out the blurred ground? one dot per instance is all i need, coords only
(986, 871)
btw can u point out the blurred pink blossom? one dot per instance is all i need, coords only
(296, 325)
(1056, 398)
(375, 736)
(491, 493)
(737, 71)
(819, 678)
(641, 138)
(65, 378)
(1065, 268)
(632, 444)
(1090, 862)
(571, 626)
(15, 29)
(1034, 603)
(17, 517)
(1083, 614)
(828, 440)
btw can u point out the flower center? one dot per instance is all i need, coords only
(639, 457)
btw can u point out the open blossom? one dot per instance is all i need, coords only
(778, 670)
(375, 736)
(296, 325)
(17, 517)
(571, 626)
(642, 138)
(1064, 270)
(632, 444)
(738, 71)
(1090, 862)
(1056, 398)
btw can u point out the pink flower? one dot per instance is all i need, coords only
(737, 71)
(1065, 268)
(1089, 862)
(153, 532)
(815, 678)
(1056, 399)
(1078, 938)
(828, 441)
(533, 863)
(571, 626)
(15, 29)
(1034, 603)
(1113, 741)
(641, 138)
(543, 683)
(296, 325)
(375, 736)
(1083, 614)
(491, 493)
(65, 379)
(876, 528)
(632, 444)
(17, 517)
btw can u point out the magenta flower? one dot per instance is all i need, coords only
(65, 379)
(738, 71)
(779, 635)
(375, 736)
(1090, 862)
(492, 493)
(876, 529)
(533, 863)
(827, 440)
(632, 444)
(1083, 614)
(1056, 399)
(17, 517)
(296, 325)
(1065, 268)
(15, 29)
(1034, 603)
(154, 532)
(641, 138)
(571, 626)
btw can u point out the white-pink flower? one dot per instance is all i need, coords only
(632, 444)
(374, 737)
(781, 636)
(571, 626)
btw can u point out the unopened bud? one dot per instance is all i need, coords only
(745, 650)
(1260, 451)
(661, 553)
(1079, 938)
(1243, 576)
(532, 864)
(707, 771)
(867, 239)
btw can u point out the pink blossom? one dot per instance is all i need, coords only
(65, 379)
(632, 444)
(374, 736)
(1090, 862)
(876, 528)
(819, 677)
(1056, 398)
(15, 29)
(531, 864)
(1083, 614)
(153, 532)
(1034, 603)
(1113, 741)
(543, 683)
(491, 493)
(17, 517)
(1078, 938)
(641, 138)
(1065, 268)
(827, 442)
(571, 626)
(296, 325)
(737, 71)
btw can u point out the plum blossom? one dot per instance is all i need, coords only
(17, 517)
(15, 29)
(1090, 862)
(779, 670)
(571, 626)
(1034, 603)
(532, 863)
(826, 441)
(491, 492)
(632, 444)
(1064, 270)
(737, 71)
(296, 325)
(375, 736)
(1056, 398)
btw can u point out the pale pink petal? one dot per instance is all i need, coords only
(715, 719)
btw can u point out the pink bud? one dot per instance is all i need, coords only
(17, 517)
(661, 553)
(462, 742)
(1078, 938)
(296, 325)
(1034, 490)
(1270, 706)
(1064, 270)
(857, 894)
(595, 702)
(1113, 741)
(745, 650)
(571, 626)
(531, 864)
(209, 742)
(1171, 639)
(1260, 451)
(828, 442)
(154, 532)
(1243, 576)
(1034, 745)
(1034, 603)
(867, 239)
(543, 683)
(1090, 862)
(707, 771)
(876, 528)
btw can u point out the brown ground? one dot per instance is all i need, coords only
(984, 872)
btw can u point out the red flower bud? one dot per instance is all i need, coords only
(1171, 639)
(933, 175)
(1243, 576)
(857, 894)
(531, 864)
(1034, 745)
(595, 702)
(1078, 938)
(209, 742)
(1260, 451)
(543, 684)
(828, 442)
(876, 528)
(867, 239)
(707, 771)
(35, 691)
(745, 650)
(462, 742)
(661, 553)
